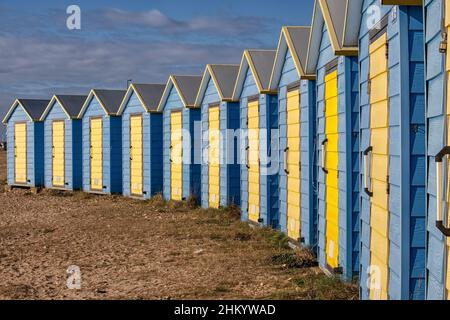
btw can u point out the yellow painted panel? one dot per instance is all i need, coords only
(96, 154)
(379, 166)
(381, 109)
(20, 152)
(136, 155)
(214, 157)
(332, 164)
(253, 161)
(176, 155)
(380, 283)
(58, 172)
(293, 165)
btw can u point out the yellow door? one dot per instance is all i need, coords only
(176, 155)
(214, 157)
(96, 154)
(20, 152)
(332, 177)
(253, 161)
(293, 164)
(379, 167)
(136, 155)
(58, 153)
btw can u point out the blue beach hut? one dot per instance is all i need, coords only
(220, 121)
(297, 109)
(181, 151)
(392, 150)
(334, 60)
(259, 138)
(437, 24)
(25, 142)
(102, 141)
(62, 142)
(142, 147)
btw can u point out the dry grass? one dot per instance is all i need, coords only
(130, 249)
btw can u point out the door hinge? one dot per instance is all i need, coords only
(387, 51)
(388, 185)
(369, 86)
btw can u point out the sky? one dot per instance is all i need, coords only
(119, 40)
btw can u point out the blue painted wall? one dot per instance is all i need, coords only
(289, 75)
(152, 148)
(435, 112)
(72, 148)
(191, 151)
(112, 149)
(268, 119)
(348, 127)
(407, 152)
(35, 148)
(229, 167)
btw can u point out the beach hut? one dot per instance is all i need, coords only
(259, 138)
(25, 140)
(181, 148)
(102, 141)
(220, 121)
(335, 62)
(437, 15)
(62, 142)
(392, 150)
(142, 147)
(297, 109)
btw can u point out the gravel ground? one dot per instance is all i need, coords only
(131, 249)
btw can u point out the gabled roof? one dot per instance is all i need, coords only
(224, 78)
(149, 96)
(342, 18)
(71, 104)
(260, 63)
(294, 39)
(109, 100)
(187, 88)
(315, 37)
(33, 108)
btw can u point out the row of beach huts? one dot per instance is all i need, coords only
(338, 138)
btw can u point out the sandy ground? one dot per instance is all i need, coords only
(130, 249)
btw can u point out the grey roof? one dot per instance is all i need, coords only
(34, 108)
(300, 41)
(263, 62)
(111, 99)
(188, 86)
(337, 9)
(72, 103)
(226, 77)
(150, 93)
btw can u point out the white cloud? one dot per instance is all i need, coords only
(202, 24)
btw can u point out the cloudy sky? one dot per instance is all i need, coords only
(143, 40)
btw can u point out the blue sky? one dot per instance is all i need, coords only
(134, 39)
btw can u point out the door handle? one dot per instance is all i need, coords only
(286, 161)
(366, 171)
(53, 152)
(323, 155)
(247, 160)
(439, 220)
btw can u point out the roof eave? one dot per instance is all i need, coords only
(12, 108)
(402, 2)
